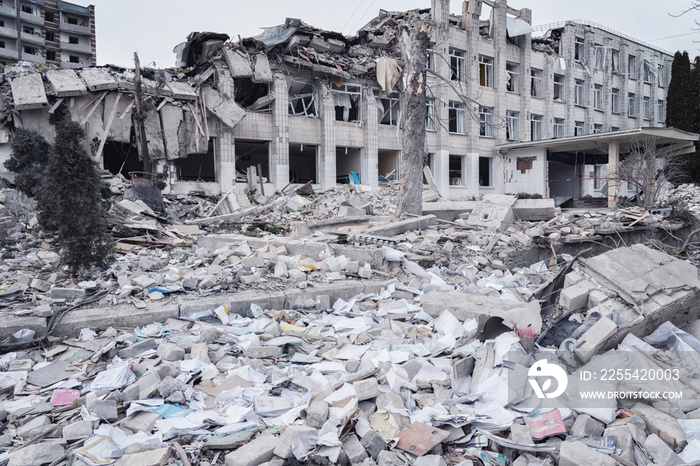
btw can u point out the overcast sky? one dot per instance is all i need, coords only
(154, 27)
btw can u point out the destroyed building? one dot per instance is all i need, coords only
(51, 32)
(508, 111)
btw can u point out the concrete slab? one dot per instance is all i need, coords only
(534, 210)
(10, 324)
(154, 136)
(66, 83)
(449, 210)
(261, 68)
(182, 91)
(115, 316)
(98, 79)
(28, 92)
(171, 118)
(495, 212)
(238, 63)
(227, 111)
(396, 228)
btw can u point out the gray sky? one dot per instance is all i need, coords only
(154, 27)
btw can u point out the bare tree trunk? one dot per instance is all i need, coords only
(411, 163)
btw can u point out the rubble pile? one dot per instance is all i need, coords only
(357, 338)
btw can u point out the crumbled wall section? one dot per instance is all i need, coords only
(171, 119)
(87, 111)
(154, 136)
(120, 129)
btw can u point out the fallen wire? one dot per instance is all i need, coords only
(54, 320)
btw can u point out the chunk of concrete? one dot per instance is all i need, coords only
(580, 454)
(586, 426)
(534, 210)
(594, 338)
(660, 452)
(66, 83)
(28, 92)
(170, 352)
(286, 440)
(429, 460)
(495, 212)
(575, 297)
(77, 430)
(254, 452)
(663, 425)
(67, 293)
(37, 454)
(366, 389)
(138, 348)
(317, 414)
(98, 79)
(238, 64)
(354, 450)
(624, 445)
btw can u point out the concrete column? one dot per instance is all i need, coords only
(369, 165)
(279, 146)
(639, 91)
(471, 22)
(225, 150)
(326, 156)
(548, 96)
(613, 164)
(441, 172)
(472, 163)
(500, 13)
(624, 54)
(525, 81)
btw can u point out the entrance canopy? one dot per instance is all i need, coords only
(555, 155)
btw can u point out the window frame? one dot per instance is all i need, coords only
(557, 128)
(615, 100)
(486, 71)
(598, 97)
(512, 77)
(457, 64)
(579, 85)
(631, 112)
(430, 114)
(558, 85)
(536, 76)
(536, 127)
(459, 109)
(512, 125)
(579, 48)
(486, 121)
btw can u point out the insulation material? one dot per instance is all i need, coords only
(171, 118)
(120, 131)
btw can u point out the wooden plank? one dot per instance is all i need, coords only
(56, 105)
(223, 198)
(98, 155)
(94, 107)
(127, 111)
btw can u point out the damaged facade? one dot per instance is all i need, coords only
(302, 104)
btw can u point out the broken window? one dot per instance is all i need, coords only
(252, 154)
(597, 128)
(597, 175)
(2, 44)
(71, 20)
(486, 122)
(348, 164)
(512, 125)
(50, 36)
(348, 102)
(646, 107)
(615, 61)
(511, 77)
(599, 56)
(559, 87)
(302, 163)
(660, 111)
(388, 110)
(485, 71)
(536, 127)
(252, 96)
(614, 128)
(630, 105)
(430, 59)
(457, 65)
(456, 165)
(31, 50)
(579, 49)
(27, 30)
(615, 100)
(578, 128)
(49, 17)
(631, 67)
(535, 82)
(660, 75)
(598, 97)
(303, 100)
(558, 128)
(73, 40)
(646, 72)
(485, 171)
(51, 55)
(430, 114)
(73, 58)
(198, 167)
(27, 9)
(578, 91)
(457, 113)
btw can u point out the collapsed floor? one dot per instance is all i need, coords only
(346, 336)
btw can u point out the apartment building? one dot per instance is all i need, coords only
(47, 32)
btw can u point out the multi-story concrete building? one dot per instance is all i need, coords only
(47, 32)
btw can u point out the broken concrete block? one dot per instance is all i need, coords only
(596, 297)
(373, 443)
(281, 270)
(572, 278)
(248, 279)
(141, 421)
(297, 275)
(366, 389)
(170, 352)
(77, 430)
(31, 428)
(28, 92)
(207, 282)
(37, 454)
(364, 272)
(580, 454)
(624, 445)
(66, 83)
(317, 414)
(256, 451)
(660, 452)
(138, 348)
(586, 426)
(523, 239)
(104, 409)
(594, 338)
(143, 281)
(494, 212)
(67, 293)
(354, 449)
(262, 352)
(286, 440)
(575, 297)
(663, 425)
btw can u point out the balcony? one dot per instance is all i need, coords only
(8, 11)
(8, 32)
(70, 64)
(33, 39)
(76, 48)
(30, 18)
(8, 53)
(34, 58)
(75, 29)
